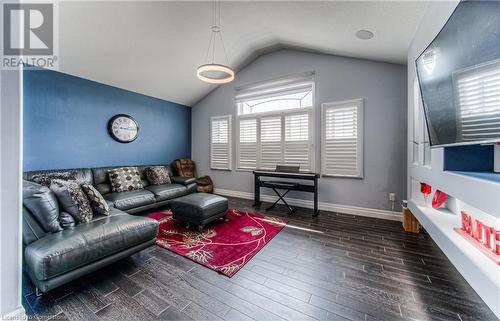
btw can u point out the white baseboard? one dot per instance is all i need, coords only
(346, 209)
(17, 314)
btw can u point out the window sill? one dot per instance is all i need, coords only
(342, 176)
(221, 169)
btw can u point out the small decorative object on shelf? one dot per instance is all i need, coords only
(439, 199)
(425, 189)
(483, 237)
(410, 222)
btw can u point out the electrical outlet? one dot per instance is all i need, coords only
(392, 197)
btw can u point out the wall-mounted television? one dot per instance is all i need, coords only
(459, 77)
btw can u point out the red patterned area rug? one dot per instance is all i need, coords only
(222, 246)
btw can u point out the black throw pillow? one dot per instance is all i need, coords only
(72, 199)
(42, 203)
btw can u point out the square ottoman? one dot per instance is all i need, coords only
(199, 208)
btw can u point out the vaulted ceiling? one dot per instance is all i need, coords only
(154, 47)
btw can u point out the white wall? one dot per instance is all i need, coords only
(10, 192)
(382, 85)
(482, 196)
(10, 188)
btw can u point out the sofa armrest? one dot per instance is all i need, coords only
(183, 180)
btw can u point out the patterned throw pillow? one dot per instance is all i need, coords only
(45, 179)
(125, 179)
(72, 199)
(157, 175)
(97, 202)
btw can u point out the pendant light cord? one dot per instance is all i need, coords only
(214, 30)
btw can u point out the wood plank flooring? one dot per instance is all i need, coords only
(333, 267)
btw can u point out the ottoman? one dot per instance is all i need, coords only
(199, 208)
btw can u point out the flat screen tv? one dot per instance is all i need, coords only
(459, 77)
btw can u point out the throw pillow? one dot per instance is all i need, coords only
(72, 199)
(125, 179)
(42, 203)
(157, 175)
(45, 179)
(97, 202)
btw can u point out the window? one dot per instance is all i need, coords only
(275, 123)
(342, 138)
(220, 142)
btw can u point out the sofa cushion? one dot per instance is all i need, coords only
(157, 175)
(130, 199)
(97, 202)
(42, 203)
(66, 220)
(72, 199)
(67, 250)
(167, 191)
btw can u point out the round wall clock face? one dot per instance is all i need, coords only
(123, 128)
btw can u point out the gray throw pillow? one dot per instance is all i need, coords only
(125, 179)
(72, 199)
(157, 175)
(42, 203)
(97, 202)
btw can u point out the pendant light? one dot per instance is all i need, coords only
(215, 73)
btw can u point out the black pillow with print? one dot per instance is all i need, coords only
(45, 179)
(157, 175)
(72, 199)
(97, 202)
(125, 179)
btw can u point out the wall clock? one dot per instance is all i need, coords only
(123, 128)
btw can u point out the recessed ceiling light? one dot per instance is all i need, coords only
(364, 34)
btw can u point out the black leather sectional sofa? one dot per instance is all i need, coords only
(53, 259)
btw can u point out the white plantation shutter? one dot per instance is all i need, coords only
(297, 140)
(220, 142)
(270, 142)
(247, 146)
(478, 95)
(342, 138)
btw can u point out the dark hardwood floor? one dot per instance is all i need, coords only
(333, 267)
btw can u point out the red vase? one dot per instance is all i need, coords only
(439, 199)
(425, 189)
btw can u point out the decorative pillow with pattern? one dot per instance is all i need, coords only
(125, 179)
(157, 175)
(45, 179)
(72, 199)
(97, 202)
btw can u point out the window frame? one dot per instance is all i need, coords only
(229, 139)
(360, 137)
(283, 113)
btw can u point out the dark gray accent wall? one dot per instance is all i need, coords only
(381, 85)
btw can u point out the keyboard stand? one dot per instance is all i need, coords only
(288, 185)
(281, 197)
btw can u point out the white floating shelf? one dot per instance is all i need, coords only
(479, 270)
